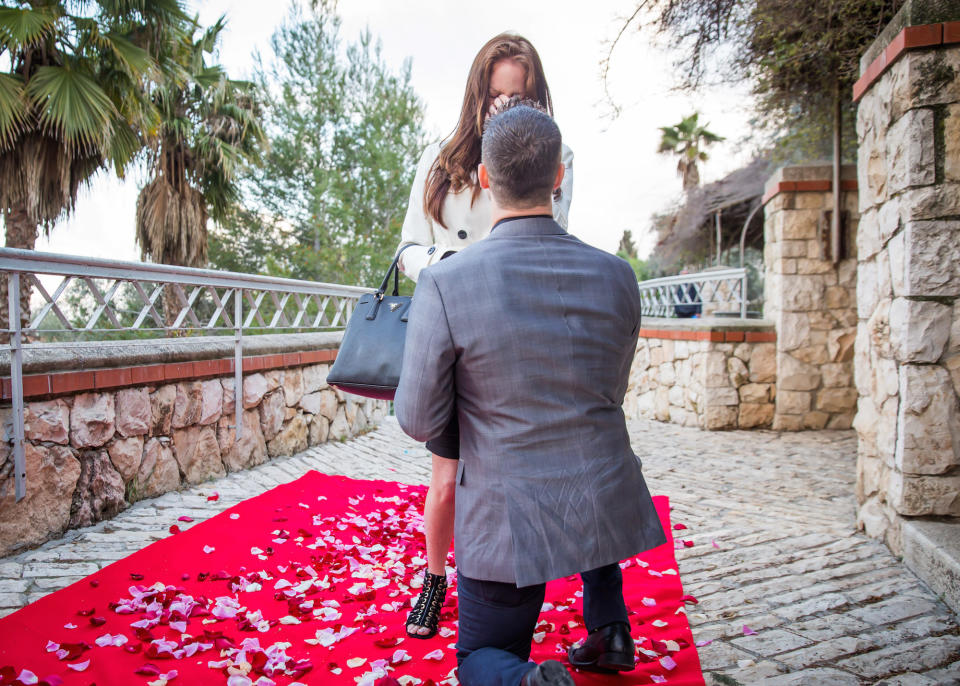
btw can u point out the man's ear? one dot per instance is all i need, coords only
(483, 178)
(561, 170)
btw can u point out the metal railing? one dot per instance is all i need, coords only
(723, 287)
(108, 297)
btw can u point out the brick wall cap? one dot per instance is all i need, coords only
(912, 13)
(106, 354)
(707, 324)
(814, 171)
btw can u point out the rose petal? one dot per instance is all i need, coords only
(214, 497)
(668, 662)
(27, 677)
(79, 666)
(208, 549)
(184, 518)
(434, 655)
(649, 602)
(747, 631)
(679, 527)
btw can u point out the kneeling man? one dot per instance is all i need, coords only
(530, 334)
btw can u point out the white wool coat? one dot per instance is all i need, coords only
(466, 223)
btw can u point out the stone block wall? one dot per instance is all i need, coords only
(811, 298)
(908, 335)
(713, 374)
(91, 453)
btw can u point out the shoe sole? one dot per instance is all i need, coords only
(607, 663)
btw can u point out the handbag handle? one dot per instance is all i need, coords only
(395, 270)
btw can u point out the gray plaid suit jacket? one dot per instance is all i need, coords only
(530, 334)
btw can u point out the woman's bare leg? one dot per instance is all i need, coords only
(438, 517)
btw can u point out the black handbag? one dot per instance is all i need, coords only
(371, 352)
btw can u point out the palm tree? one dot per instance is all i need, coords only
(209, 128)
(73, 99)
(687, 140)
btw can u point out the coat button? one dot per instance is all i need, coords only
(432, 249)
(462, 234)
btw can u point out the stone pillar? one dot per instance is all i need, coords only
(908, 290)
(811, 297)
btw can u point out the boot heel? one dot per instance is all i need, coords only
(616, 662)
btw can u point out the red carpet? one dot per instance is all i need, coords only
(304, 584)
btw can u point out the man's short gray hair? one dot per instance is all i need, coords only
(521, 151)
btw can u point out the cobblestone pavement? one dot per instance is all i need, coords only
(770, 515)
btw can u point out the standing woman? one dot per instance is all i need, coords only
(447, 212)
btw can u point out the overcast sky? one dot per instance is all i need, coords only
(619, 180)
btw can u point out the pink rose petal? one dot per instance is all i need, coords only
(208, 549)
(668, 662)
(27, 677)
(79, 666)
(747, 631)
(184, 518)
(657, 679)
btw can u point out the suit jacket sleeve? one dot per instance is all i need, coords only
(425, 397)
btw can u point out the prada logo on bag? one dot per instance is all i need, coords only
(394, 306)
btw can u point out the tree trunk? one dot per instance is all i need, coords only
(21, 233)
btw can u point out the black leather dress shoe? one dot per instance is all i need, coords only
(548, 673)
(608, 649)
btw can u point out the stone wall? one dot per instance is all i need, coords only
(91, 453)
(908, 336)
(811, 298)
(710, 373)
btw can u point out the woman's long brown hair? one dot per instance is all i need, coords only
(453, 169)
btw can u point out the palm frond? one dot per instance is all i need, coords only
(135, 59)
(23, 28)
(73, 105)
(13, 109)
(210, 37)
(123, 146)
(208, 77)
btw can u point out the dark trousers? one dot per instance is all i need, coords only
(496, 623)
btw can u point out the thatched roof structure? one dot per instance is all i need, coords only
(689, 233)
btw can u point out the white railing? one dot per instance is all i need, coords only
(130, 298)
(712, 290)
